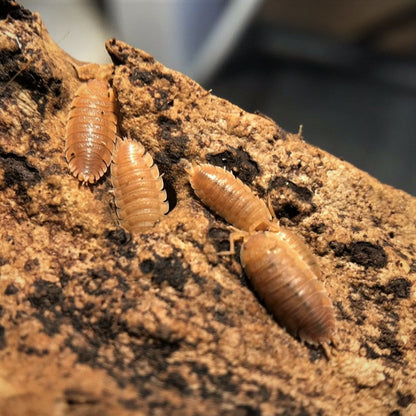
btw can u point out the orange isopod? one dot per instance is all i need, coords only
(285, 275)
(283, 270)
(228, 196)
(138, 187)
(91, 131)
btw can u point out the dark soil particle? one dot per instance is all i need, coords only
(237, 161)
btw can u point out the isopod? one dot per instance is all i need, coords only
(285, 275)
(138, 187)
(228, 196)
(282, 269)
(91, 131)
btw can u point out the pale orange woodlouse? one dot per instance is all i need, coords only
(281, 267)
(91, 131)
(228, 196)
(138, 187)
(284, 273)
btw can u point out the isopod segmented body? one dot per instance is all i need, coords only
(138, 187)
(91, 131)
(228, 196)
(284, 273)
(282, 269)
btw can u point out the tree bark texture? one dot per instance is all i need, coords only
(94, 321)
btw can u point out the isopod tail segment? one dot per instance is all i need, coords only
(285, 274)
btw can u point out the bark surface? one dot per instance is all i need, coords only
(94, 321)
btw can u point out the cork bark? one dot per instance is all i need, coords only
(94, 321)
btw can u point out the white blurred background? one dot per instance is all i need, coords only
(346, 70)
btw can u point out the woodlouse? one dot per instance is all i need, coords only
(138, 187)
(228, 196)
(91, 131)
(285, 275)
(281, 267)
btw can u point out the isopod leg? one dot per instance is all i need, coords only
(272, 213)
(234, 236)
(327, 351)
(264, 226)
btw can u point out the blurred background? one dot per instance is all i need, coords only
(345, 70)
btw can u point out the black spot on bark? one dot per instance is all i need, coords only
(338, 248)
(147, 266)
(11, 64)
(41, 84)
(316, 353)
(358, 306)
(176, 381)
(370, 352)
(162, 99)
(198, 279)
(404, 400)
(318, 228)
(140, 77)
(367, 254)
(117, 237)
(167, 126)
(412, 266)
(11, 289)
(31, 264)
(107, 327)
(198, 368)
(14, 11)
(303, 193)
(290, 200)
(95, 285)
(220, 238)
(176, 143)
(3, 342)
(18, 174)
(395, 290)
(177, 148)
(121, 242)
(246, 410)
(51, 325)
(223, 318)
(217, 291)
(29, 350)
(237, 161)
(46, 295)
(130, 404)
(170, 270)
(225, 382)
(387, 339)
(341, 311)
(259, 391)
(399, 287)
(286, 210)
(74, 397)
(304, 412)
